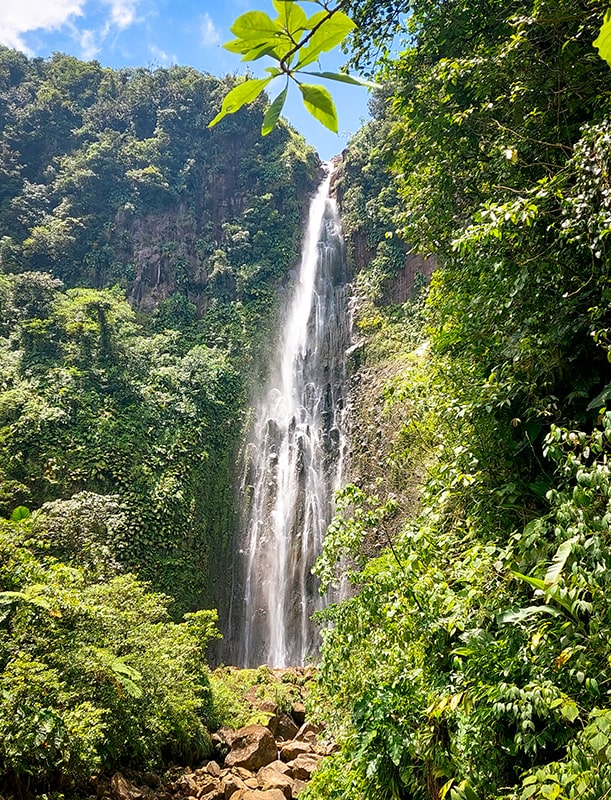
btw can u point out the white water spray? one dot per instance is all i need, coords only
(294, 457)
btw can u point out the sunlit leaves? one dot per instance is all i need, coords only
(320, 104)
(342, 77)
(603, 41)
(240, 96)
(255, 26)
(332, 31)
(291, 17)
(292, 35)
(273, 112)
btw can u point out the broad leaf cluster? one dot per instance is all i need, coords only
(295, 41)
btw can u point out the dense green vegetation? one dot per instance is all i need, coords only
(141, 256)
(474, 659)
(94, 674)
(113, 187)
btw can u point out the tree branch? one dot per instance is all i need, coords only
(330, 12)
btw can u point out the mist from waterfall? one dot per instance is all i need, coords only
(293, 460)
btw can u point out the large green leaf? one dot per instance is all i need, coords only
(343, 78)
(239, 45)
(255, 26)
(240, 96)
(603, 41)
(277, 51)
(559, 560)
(31, 594)
(332, 31)
(19, 513)
(320, 104)
(273, 112)
(522, 614)
(291, 17)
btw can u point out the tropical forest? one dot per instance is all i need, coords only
(304, 466)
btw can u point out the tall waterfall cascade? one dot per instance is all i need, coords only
(293, 460)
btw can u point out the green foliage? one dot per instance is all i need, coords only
(473, 660)
(235, 691)
(94, 674)
(603, 40)
(121, 442)
(115, 192)
(294, 41)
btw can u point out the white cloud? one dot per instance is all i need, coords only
(123, 12)
(20, 16)
(209, 32)
(161, 57)
(89, 47)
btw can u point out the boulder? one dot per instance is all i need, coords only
(243, 773)
(255, 794)
(278, 781)
(275, 768)
(199, 784)
(269, 707)
(304, 765)
(218, 793)
(299, 787)
(286, 728)
(122, 789)
(251, 748)
(232, 784)
(298, 712)
(291, 750)
(307, 732)
(212, 768)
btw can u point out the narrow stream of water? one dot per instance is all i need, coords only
(294, 457)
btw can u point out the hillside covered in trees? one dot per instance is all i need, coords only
(474, 659)
(140, 276)
(141, 258)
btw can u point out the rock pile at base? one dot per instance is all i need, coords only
(274, 761)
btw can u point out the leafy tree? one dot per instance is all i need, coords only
(94, 675)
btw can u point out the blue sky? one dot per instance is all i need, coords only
(124, 33)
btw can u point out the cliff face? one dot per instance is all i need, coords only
(130, 187)
(164, 254)
(364, 191)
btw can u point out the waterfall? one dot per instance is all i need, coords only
(293, 460)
